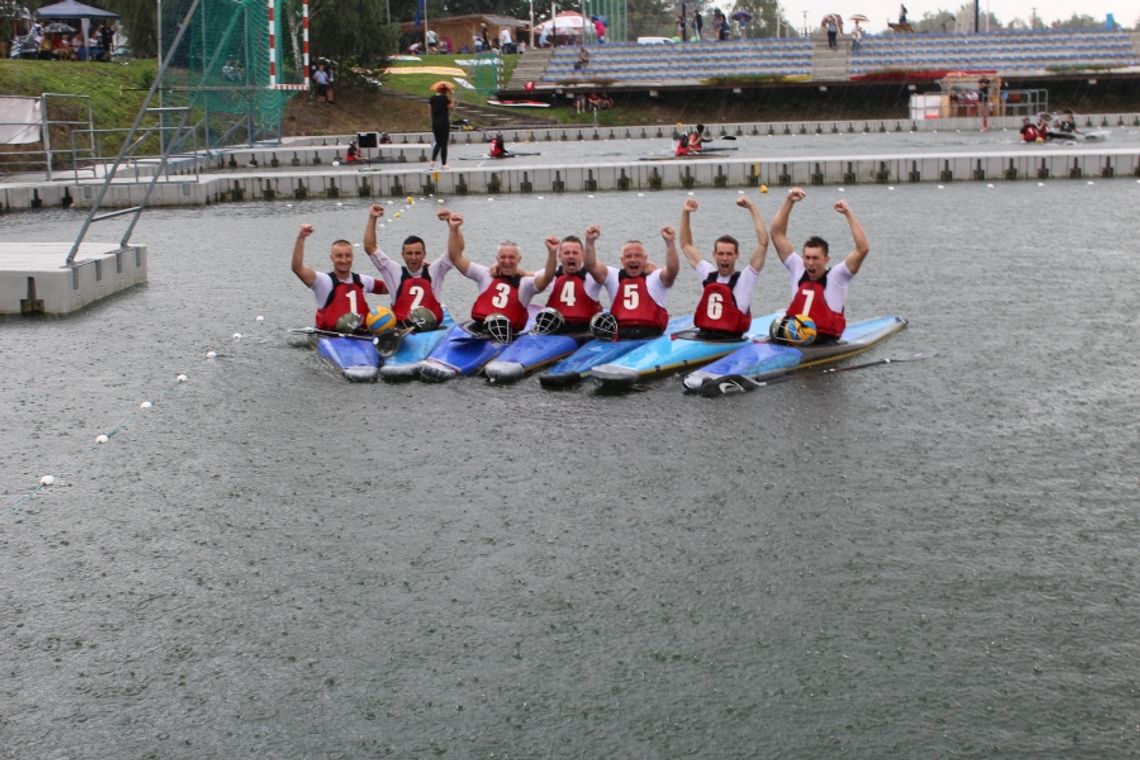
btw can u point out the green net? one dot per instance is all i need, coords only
(223, 70)
(486, 76)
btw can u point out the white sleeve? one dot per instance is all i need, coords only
(481, 274)
(611, 284)
(795, 266)
(836, 291)
(322, 287)
(438, 269)
(657, 290)
(389, 270)
(703, 269)
(745, 287)
(527, 290)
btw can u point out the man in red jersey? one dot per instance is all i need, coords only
(575, 295)
(818, 291)
(504, 296)
(416, 283)
(725, 305)
(338, 293)
(638, 297)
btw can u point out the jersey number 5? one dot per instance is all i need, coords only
(630, 298)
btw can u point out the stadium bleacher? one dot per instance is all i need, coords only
(1010, 52)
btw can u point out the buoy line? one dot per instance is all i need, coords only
(70, 467)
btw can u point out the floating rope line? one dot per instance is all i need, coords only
(73, 465)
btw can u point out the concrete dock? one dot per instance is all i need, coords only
(35, 279)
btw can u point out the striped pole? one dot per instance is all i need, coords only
(272, 47)
(305, 40)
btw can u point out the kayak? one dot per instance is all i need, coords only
(356, 359)
(463, 352)
(414, 348)
(671, 352)
(531, 352)
(763, 360)
(489, 157)
(580, 364)
(519, 103)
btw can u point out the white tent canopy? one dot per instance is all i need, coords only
(568, 22)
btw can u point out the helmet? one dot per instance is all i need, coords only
(422, 319)
(348, 322)
(380, 320)
(795, 331)
(499, 328)
(548, 321)
(604, 325)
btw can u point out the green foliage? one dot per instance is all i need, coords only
(767, 17)
(1079, 21)
(651, 18)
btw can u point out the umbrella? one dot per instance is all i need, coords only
(742, 16)
(563, 23)
(859, 18)
(58, 27)
(441, 86)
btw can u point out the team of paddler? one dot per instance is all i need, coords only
(637, 290)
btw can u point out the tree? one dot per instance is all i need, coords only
(1078, 21)
(768, 18)
(652, 18)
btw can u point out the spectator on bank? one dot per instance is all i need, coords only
(856, 37)
(321, 83)
(583, 59)
(107, 41)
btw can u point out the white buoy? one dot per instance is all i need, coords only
(336, 163)
(942, 187)
(1040, 184)
(890, 187)
(989, 185)
(182, 378)
(842, 189)
(47, 480)
(539, 197)
(489, 199)
(101, 438)
(339, 204)
(237, 336)
(145, 405)
(1090, 182)
(260, 318)
(211, 354)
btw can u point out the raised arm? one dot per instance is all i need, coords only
(306, 274)
(456, 243)
(375, 211)
(597, 269)
(780, 240)
(672, 261)
(854, 259)
(544, 278)
(761, 249)
(691, 253)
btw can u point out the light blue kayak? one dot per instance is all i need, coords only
(355, 359)
(531, 352)
(763, 360)
(574, 368)
(674, 351)
(414, 348)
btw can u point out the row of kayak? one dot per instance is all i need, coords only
(566, 360)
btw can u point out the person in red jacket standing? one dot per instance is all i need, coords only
(818, 291)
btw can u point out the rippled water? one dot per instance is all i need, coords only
(931, 559)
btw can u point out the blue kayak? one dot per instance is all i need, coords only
(463, 352)
(531, 352)
(763, 360)
(674, 351)
(354, 358)
(574, 368)
(414, 348)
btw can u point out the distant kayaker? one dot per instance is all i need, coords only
(725, 305)
(639, 296)
(818, 291)
(416, 283)
(339, 294)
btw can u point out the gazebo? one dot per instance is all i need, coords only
(72, 9)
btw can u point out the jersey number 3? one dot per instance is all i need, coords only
(502, 295)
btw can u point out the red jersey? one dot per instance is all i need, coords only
(570, 298)
(634, 307)
(809, 300)
(413, 292)
(345, 297)
(717, 310)
(502, 297)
